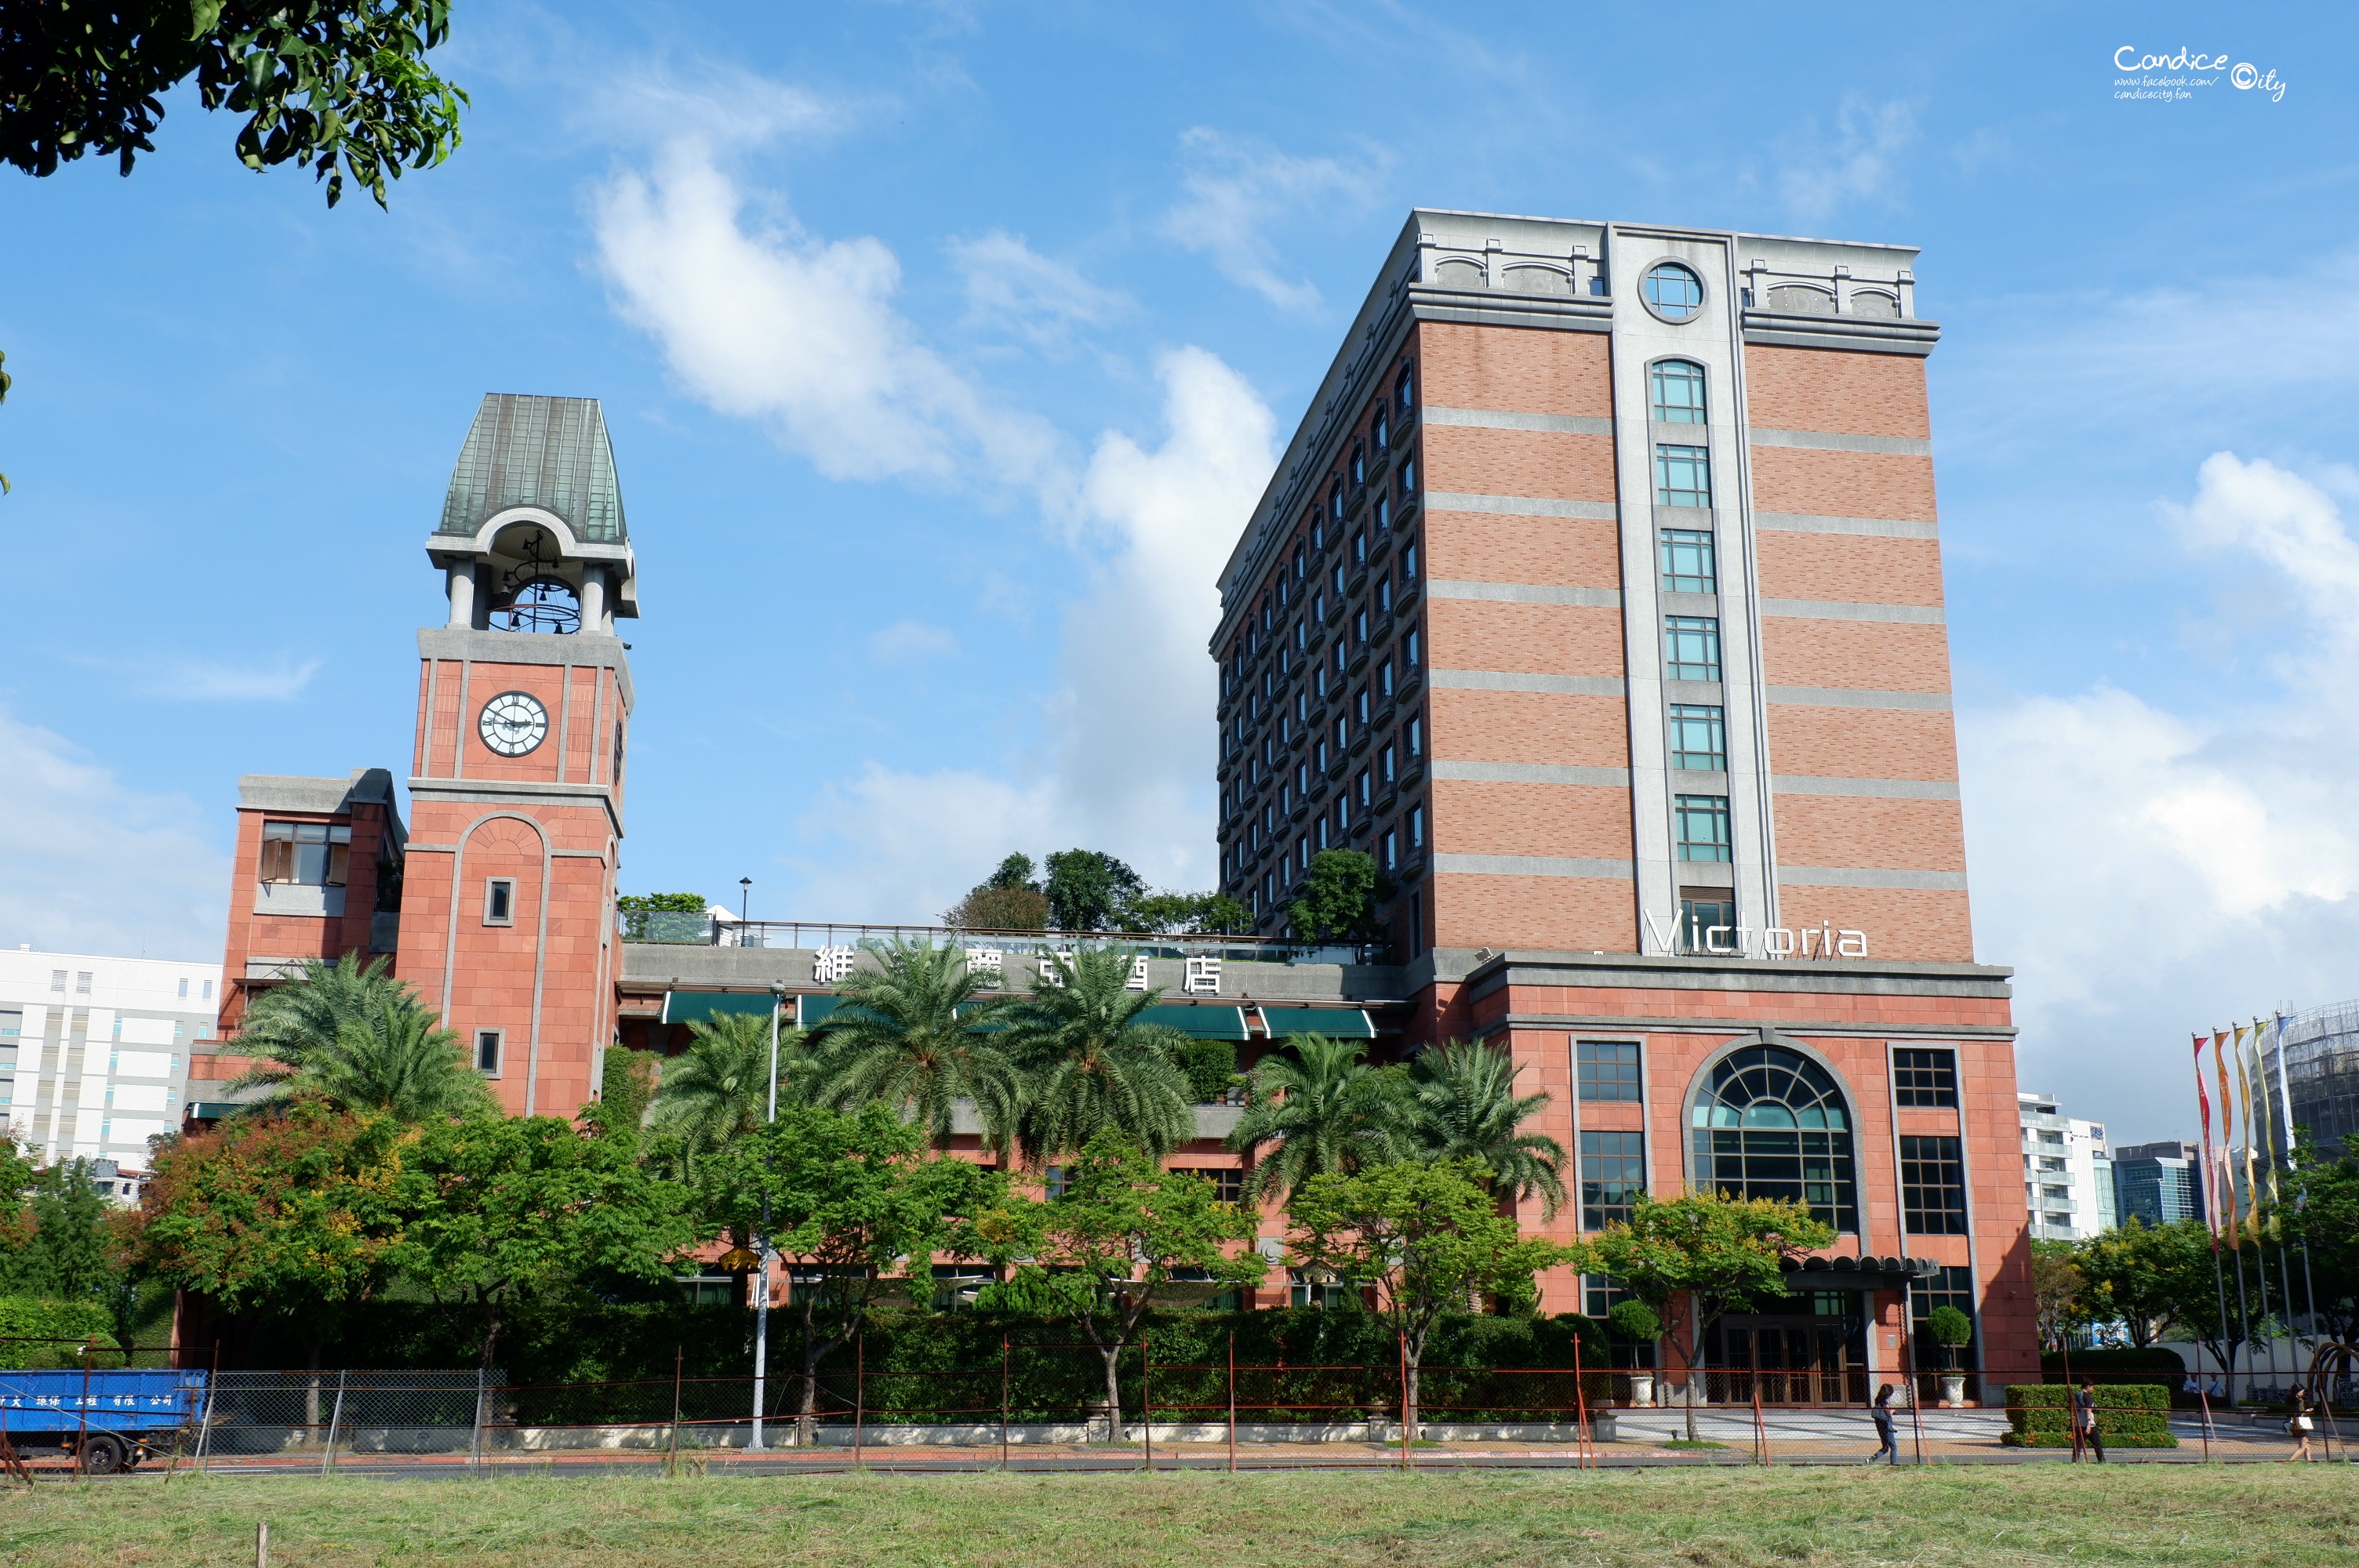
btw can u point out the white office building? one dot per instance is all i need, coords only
(95, 1050)
(2068, 1172)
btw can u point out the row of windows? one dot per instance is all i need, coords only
(1772, 1123)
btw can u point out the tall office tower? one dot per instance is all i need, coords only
(1599, 597)
(524, 707)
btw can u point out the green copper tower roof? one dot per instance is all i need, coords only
(549, 452)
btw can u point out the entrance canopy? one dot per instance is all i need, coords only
(1335, 1023)
(703, 1007)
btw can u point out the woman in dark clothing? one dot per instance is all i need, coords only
(2084, 1422)
(1885, 1433)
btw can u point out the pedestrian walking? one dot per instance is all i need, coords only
(2084, 1422)
(2298, 1427)
(1887, 1433)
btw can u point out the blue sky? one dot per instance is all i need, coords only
(945, 347)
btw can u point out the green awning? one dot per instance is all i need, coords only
(815, 1009)
(1335, 1023)
(1203, 1023)
(703, 1007)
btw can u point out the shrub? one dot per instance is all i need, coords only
(23, 1318)
(1211, 1066)
(2129, 1415)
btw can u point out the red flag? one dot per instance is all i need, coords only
(2211, 1181)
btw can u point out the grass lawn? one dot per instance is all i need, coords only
(2250, 1517)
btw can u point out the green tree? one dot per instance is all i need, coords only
(664, 916)
(1318, 1109)
(289, 1024)
(2167, 1273)
(72, 1253)
(2317, 1211)
(1091, 1065)
(1429, 1237)
(401, 1062)
(2060, 1291)
(1099, 1251)
(626, 1084)
(990, 908)
(2127, 1273)
(1711, 1253)
(1952, 1330)
(321, 83)
(851, 1197)
(499, 1210)
(718, 1090)
(1462, 1105)
(917, 1033)
(1210, 1067)
(1187, 914)
(1089, 890)
(294, 1217)
(1339, 898)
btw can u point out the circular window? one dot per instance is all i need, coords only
(1672, 291)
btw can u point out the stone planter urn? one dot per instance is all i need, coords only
(1642, 1390)
(1953, 1391)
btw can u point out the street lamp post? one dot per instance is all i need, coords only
(762, 1291)
(744, 903)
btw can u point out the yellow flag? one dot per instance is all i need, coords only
(2227, 1133)
(2271, 1119)
(2252, 1186)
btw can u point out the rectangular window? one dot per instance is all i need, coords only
(1360, 706)
(1682, 476)
(1386, 766)
(1678, 393)
(1688, 563)
(1416, 739)
(1228, 1186)
(1407, 565)
(1416, 827)
(1952, 1287)
(1691, 647)
(1925, 1077)
(209, 990)
(1613, 1176)
(499, 901)
(1366, 790)
(1385, 678)
(1707, 921)
(1701, 827)
(81, 982)
(1699, 738)
(487, 1050)
(1608, 1070)
(184, 988)
(309, 854)
(1932, 1186)
(1057, 1178)
(1392, 850)
(1408, 648)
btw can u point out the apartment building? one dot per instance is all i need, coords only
(2159, 1182)
(95, 1050)
(2068, 1172)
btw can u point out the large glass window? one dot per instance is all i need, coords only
(1608, 1069)
(1771, 1123)
(1700, 824)
(1932, 1186)
(1673, 292)
(1682, 476)
(1925, 1077)
(1699, 736)
(1953, 1286)
(312, 853)
(1612, 1174)
(1707, 921)
(1678, 393)
(1691, 646)
(1687, 562)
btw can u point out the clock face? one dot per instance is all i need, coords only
(513, 723)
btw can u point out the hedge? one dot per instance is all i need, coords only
(27, 1318)
(2129, 1415)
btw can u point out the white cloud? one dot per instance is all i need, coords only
(775, 325)
(1858, 165)
(1012, 287)
(95, 867)
(912, 641)
(208, 680)
(1235, 188)
(2151, 873)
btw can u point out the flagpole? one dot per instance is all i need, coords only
(2211, 1215)
(2284, 1123)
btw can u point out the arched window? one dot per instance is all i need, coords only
(1673, 292)
(1678, 393)
(1772, 1124)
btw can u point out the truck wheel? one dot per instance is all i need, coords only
(103, 1455)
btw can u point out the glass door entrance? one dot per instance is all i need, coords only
(1789, 1358)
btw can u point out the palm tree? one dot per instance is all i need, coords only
(400, 1062)
(359, 1037)
(719, 1088)
(915, 1034)
(1324, 1108)
(1462, 1105)
(1089, 1064)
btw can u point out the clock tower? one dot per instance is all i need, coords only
(524, 708)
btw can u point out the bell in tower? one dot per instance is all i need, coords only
(524, 700)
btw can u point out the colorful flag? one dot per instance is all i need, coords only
(2252, 1135)
(2276, 1154)
(2203, 1112)
(2231, 1218)
(2285, 1096)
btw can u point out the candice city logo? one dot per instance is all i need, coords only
(2176, 78)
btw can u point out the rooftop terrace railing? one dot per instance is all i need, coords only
(711, 930)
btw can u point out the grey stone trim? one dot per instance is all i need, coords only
(1531, 772)
(1884, 789)
(1870, 877)
(593, 649)
(516, 792)
(1488, 308)
(1531, 866)
(1514, 680)
(1525, 593)
(1871, 527)
(1841, 976)
(1500, 419)
(1868, 334)
(1520, 505)
(1835, 610)
(1834, 442)
(1845, 697)
(1654, 1023)
(320, 798)
(298, 900)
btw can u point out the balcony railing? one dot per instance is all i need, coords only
(679, 929)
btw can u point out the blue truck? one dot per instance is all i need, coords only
(112, 1419)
